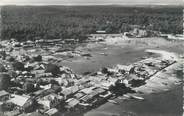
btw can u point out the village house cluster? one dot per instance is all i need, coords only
(136, 32)
(33, 82)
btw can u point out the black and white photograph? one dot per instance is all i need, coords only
(91, 57)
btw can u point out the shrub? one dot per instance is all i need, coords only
(52, 68)
(18, 66)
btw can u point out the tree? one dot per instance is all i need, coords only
(12, 74)
(3, 54)
(63, 23)
(28, 87)
(37, 58)
(7, 106)
(125, 27)
(120, 88)
(132, 70)
(4, 81)
(10, 59)
(52, 68)
(18, 66)
(2, 68)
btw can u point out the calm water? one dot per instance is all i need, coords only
(115, 55)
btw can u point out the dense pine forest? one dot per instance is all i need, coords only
(51, 22)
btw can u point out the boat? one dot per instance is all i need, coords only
(166, 89)
(144, 57)
(120, 98)
(103, 54)
(112, 101)
(123, 98)
(85, 104)
(137, 97)
(126, 96)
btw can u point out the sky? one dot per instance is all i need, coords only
(91, 2)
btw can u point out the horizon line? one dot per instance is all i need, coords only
(106, 4)
(93, 5)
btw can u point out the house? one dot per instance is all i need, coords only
(103, 36)
(70, 41)
(106, 95)
(4, 95)
(137, 32)
(101, 31)
(69, 91)
(112, 81)
(43, 75)
(105, 85)
(38, 93)
(87, 90)
(83, 81)
(75, 89)
(100, 90)
(123, 67)
(72, 103)
(93, 94)
(50, 101)
(41, 93)
(23, 103)
(66, 93)
(79, 95)
(45, 87)
(86, 99)
(59, 80)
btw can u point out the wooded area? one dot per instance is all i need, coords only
(50, 22)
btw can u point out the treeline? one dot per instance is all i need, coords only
(48, 22)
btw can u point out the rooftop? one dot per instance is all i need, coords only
(72, 102)
(19, 100)
(2, 93)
